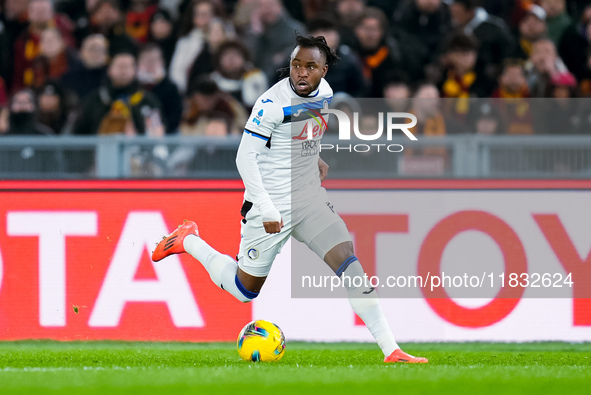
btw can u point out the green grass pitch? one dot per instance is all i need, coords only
(307, 368)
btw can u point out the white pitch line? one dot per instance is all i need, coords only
(63, 368)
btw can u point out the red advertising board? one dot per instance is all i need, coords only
(75, 262)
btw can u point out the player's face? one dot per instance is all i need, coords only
(306, 70)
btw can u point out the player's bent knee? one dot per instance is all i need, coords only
(245, 296)
(339, 254)
(342, 250)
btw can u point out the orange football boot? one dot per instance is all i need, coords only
(173, 243)
(400, 356)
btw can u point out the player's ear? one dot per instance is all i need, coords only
(324, 70)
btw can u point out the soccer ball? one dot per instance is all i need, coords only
(261, 341)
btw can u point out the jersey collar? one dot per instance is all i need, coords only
(312, 94)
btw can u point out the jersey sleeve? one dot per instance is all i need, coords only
(266, 115)
(246, 162)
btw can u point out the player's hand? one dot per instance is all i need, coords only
(273, 227)
(323, 169)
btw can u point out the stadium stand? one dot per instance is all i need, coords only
(509, 84)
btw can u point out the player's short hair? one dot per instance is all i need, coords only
(318, 42)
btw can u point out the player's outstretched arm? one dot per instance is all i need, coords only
(322, 169)
(246, 162)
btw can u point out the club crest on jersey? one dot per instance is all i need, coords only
(253, 253)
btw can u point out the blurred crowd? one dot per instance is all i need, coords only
(196, 67)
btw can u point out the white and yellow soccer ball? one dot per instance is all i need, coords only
(261, 341)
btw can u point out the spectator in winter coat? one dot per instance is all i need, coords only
(397, 93)
(23, 122)
(347, 13)
(462, 79)
(87, 78)
(15, 19)
(195, 29)
(271, 35)
(485, 118)
(543, 66)
(205, 62)
(152, 77)
(27, 45)
(163, 33)
(234, 74)
(427, 21)
(512, 82)
(495, 40)
(54, 60)
(515, 106)
(207, 103)
(531, 28)
(55, 107)
(23, 119)
(108, 19)
(575, 45)
(562, 113)
(557, 19)
(378, 52)
(120, 105)
(347, 75)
